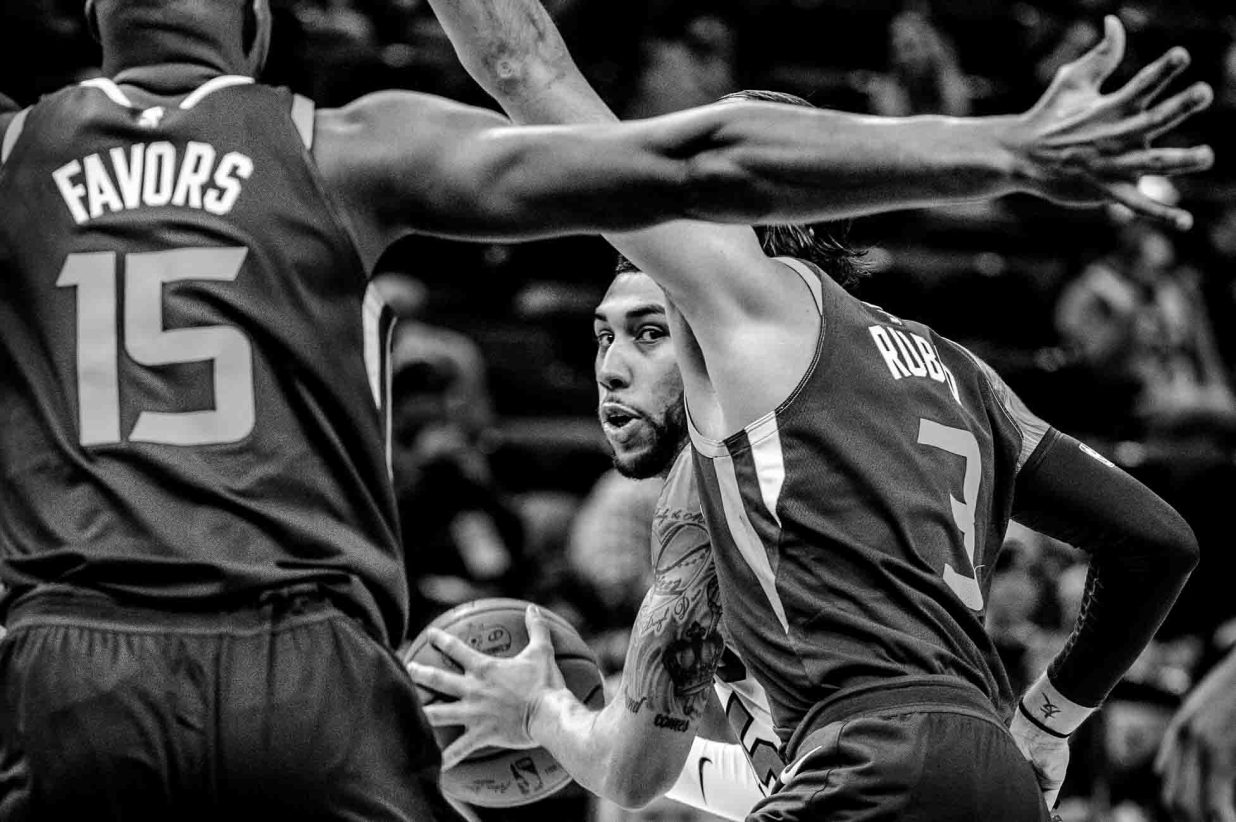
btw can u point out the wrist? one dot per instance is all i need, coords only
(539, 712)
(1007, 150)
(1051, 711)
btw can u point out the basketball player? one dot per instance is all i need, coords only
(197, 531)
(857, 472)
(197, 528)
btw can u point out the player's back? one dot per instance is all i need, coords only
(848, 524)
(192, 365)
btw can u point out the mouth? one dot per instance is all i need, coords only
(618, 419)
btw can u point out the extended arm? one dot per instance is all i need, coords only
(632, 750)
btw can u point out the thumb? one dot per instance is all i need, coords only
(1102, 60)
(538, 630)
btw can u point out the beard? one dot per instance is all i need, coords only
(668, 436)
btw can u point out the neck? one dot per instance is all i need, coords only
(172, 47)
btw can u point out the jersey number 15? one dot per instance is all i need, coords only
(148, 343)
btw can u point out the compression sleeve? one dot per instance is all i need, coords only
(1141, 553)
(718, 778)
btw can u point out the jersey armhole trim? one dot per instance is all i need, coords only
(303, 118)
(10, 136)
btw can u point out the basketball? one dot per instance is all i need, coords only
(499, 777)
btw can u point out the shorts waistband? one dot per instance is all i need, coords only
(67, 605)
(926, 694)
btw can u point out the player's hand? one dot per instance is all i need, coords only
(495, 698)
(1197, 758)
(1047, 753)
(1078, 146)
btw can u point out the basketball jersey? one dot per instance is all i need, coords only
(741, 697)
(193, 369)
(855, 527)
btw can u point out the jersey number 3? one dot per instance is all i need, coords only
(148, 343)
(962, 443)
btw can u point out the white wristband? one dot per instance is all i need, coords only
(1051, 710)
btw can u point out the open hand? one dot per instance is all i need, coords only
(495, 698)
(1197, 758)
(1078, 146)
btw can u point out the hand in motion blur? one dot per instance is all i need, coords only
(1080, 146)
(1197, 758)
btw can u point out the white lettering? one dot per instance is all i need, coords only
(913, 361)
(99, 188)
(129, 173)
(888, 352)
(70, 191)
(952, 383)
(194, 172)
(233, 165)
(929, 357)
(159, 174)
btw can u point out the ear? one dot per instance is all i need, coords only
(92, 21)
(259, 48)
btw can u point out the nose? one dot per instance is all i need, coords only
(613, 368)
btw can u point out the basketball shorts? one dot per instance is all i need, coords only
(286, 709)
(920, 753)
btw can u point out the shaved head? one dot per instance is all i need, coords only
(224, 36)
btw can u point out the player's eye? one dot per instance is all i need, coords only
(603, 338)
(651, 333)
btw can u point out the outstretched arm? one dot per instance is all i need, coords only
(402, 162)
(631, 751)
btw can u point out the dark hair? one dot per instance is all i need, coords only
(823, 244)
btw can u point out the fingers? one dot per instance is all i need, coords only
(1220, 797)
(1165, 161)
(448, 683)
(454, 649)
(538, 630)
(460, 749)
(1177, 108)
(441, 714)
(1096, 65)
(1128, 194)
(1152, 79)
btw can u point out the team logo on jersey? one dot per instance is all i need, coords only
(151, 117)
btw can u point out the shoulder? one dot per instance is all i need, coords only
(679, 519)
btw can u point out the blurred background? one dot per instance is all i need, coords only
(1116, 331)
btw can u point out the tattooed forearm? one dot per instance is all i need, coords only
(677, 643)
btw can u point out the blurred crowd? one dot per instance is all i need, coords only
(1115, 330)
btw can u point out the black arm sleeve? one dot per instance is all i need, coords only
(1141, 553)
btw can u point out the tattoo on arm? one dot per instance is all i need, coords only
(676, 643)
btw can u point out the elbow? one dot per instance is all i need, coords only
(637, 787)
(720, 189)
(1185, 552)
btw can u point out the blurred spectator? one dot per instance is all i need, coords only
(685, 68)
(924, 76)
(609, 550)
(462, 535)
(1137, 321)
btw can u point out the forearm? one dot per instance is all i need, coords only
(812, 164)
(1141, 554)
(621, 767)
(833, 164)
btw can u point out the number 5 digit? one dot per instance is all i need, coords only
(962, 443)
(148, 343)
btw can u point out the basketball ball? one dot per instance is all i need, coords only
(501, 777)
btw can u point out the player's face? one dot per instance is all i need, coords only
(638, 382)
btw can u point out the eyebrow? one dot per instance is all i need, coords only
(637, 313)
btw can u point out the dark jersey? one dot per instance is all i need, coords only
(192, 364)
(855, 527)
